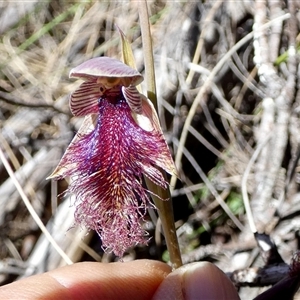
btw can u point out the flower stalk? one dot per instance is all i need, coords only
(165, 208)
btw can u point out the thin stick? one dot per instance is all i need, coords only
(212, 189)
(32, 211)
(207, 21)
(244, 185)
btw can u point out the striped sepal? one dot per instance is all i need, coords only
(84, 100)
(133, 98)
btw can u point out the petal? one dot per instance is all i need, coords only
(165, 161)
(146, 117)
(84, 100)
(67, 165)
(133, 98)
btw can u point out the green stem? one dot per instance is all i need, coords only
(165, 208)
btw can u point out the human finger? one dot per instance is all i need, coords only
(201, 281)
(89, 280)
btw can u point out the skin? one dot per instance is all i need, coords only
(140, 279)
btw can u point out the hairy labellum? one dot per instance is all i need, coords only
(107, 159)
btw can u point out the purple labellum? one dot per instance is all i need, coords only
(113, 149)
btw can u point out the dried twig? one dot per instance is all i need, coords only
(31, 209)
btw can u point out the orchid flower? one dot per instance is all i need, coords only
(119, 141)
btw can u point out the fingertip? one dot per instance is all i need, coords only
(206, 281)
(201, 280)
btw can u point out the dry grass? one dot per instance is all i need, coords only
(230, 117)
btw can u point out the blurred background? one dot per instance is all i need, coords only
(234, 92)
